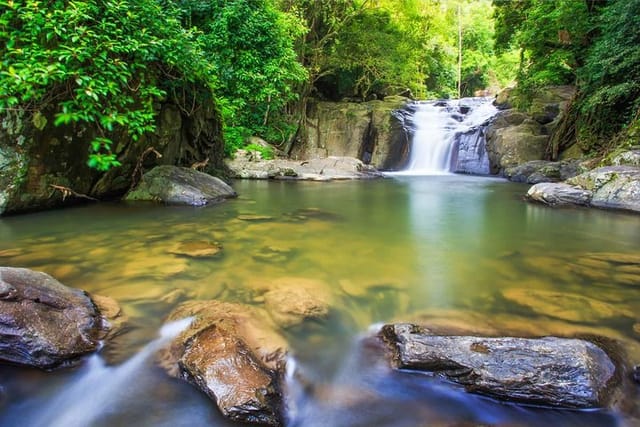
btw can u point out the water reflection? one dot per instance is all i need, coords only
(454, 251)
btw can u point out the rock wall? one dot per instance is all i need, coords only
(35, 155)
(516, 137)
(373, 132)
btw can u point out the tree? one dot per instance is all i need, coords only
(103, 63)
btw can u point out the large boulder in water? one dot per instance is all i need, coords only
(548, 371)
(44, 323)
(609, 187)
(537, 171)
(182, 186)
(232, 353)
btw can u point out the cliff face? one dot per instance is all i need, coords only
(373, 132)
(37, 158)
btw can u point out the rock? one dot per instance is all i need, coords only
(503, 99)
(183, 186)
(232, 353)
(471, 152)
(325, 169)
(197, 249)
(537, 171)
(550, 371)
(36, 153)
(292, 306)
(628, 158)
(559, 194)
(374, 132)
(44, 323)
(636, 373)
(510, 144)
(566, 306)
(613, 187)
(292, 300)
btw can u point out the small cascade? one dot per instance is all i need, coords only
(98, 388)
(448, 136)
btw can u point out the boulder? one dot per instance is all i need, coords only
(559, 194)
(628, 158)
(609, 187)
(182, 186)
(320, 169)
(513, 139)
(39, 159)
(232, 353)
(537, 171)
(44, 323)
(373, 132)
(550, 371)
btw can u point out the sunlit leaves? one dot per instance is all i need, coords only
(103, 63)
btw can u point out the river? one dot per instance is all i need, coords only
(453, 249)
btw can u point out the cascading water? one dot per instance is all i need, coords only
(98, 387)
(448, 137)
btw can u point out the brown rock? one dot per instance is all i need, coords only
(232, 353)
(45, 323)
(197, 249)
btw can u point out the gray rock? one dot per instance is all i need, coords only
(629, 158)
(559, 194)
(613, 187)
(471, 153)
(537, 171)
(548, 371)
(44, 323)
(322, 169)
(183, 186)
(513, 139)
(232, 353)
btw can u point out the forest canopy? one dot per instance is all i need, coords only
(109, 62)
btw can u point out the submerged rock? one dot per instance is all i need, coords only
(549, 371)
(44, 323)
(182, 186)
(566, 306)
(232, 353)
(196, 249)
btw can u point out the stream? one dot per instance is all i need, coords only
(450, 249)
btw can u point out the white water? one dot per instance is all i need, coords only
(100, 388)
(436, 127)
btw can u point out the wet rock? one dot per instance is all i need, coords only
(197, 249)
(232, 353)
(44, 323)
(566, 306)
(182, 186)
(559, 194)
(548, 371)
(636, 373)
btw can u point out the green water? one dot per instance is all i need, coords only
(460, 253)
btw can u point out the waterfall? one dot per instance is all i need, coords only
(98, 388)
(448, 136)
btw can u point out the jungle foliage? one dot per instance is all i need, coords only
(98, 62)
(593, 44)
